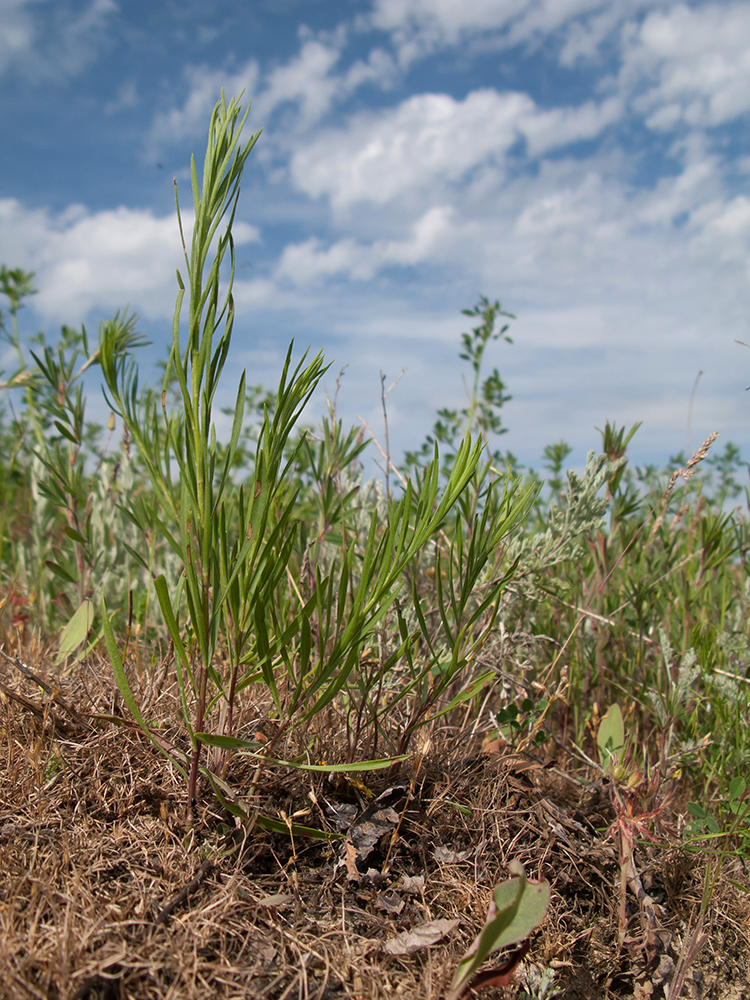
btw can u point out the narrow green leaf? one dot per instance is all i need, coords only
(118, 669)
(251, 748)
(182, 661)
(62, 571)
(75, 535)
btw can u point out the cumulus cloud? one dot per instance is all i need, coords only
(432, 142)
(311, 82)
(616, 280)
(427, 138)
(99, 261)
(695, 63)
(308, 262)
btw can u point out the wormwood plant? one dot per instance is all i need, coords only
(235, 543)
(56, 481)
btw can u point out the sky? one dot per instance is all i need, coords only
(584, 162)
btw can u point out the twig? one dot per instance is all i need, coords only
(382, 452)
(688, 955)
(41, 711)
(52, 692)
(179, 898)
(383, 397)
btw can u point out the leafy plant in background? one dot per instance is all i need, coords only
(486, 397)
(55, 452)
(385, 612)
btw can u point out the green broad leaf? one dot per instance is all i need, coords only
(233, 743)
(610, 737)
(75, 631)
(737, 788)
(517, 907)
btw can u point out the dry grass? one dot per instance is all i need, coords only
(95, 857)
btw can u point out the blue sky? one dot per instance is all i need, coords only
(587, 162)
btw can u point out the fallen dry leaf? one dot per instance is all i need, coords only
(445, 856)
(502, 976)
(412, 883)
(422, 936)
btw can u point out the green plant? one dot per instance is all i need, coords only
(63, 545)
(518, 906)
(486, 397)
(514, 721)
(303, 641)
(227, 555)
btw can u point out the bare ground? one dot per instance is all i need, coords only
(107, 892)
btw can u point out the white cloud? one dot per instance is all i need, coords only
(431, 143)
(679, 195)
(16, 31)
(723, 237)
(545, 130)
(126, 97)
(420, 27)
(98, 261)
(305, 80)
(46, 41)
(695, 62)
(428, 139)
(308, 262)
(309, 81)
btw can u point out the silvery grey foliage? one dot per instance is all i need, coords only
(566, 525)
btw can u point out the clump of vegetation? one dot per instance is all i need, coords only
(592, 624)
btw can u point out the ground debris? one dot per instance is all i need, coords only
(106, 892)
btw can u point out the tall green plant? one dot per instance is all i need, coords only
(235, 543)
(189, 472)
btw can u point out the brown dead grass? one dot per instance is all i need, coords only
(95, 857)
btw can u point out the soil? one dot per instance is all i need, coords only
(108, 891)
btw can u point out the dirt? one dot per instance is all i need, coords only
(108, 891)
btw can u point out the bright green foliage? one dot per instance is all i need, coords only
(236, 545)
(230, 545)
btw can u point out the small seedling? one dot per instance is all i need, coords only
(518, 906)
(610, 738)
